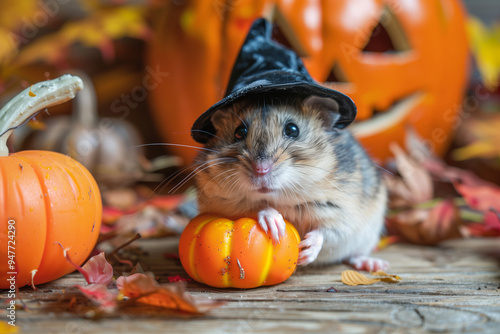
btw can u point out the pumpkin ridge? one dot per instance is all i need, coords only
(226, 250)
(267, 265)
(48, 206)
(192, 246)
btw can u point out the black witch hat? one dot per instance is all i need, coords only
(264, 66)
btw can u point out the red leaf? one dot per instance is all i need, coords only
(106, 299)
(480, 197)
(489, 228)
(99, 270)
(178, 278)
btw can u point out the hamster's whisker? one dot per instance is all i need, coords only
(172, 177)
(163, 184)
(220, 181)
(177, 145)
(382, 168)
(202, 131)
(234, 183)
(199, 169)
(284, 150)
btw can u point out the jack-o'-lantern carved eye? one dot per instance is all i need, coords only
(388, 35)
(283, 34)
(336, 75)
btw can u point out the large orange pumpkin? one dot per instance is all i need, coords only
(404, 62)
(46, 198)
(223, 253)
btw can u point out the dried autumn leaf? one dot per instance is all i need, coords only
(486, 137)
(490, 226)
(353, 278)
(385, 277)
(481, 197)
(98, 270)
(415, 185)
(144, 289)
(439, 221)
(437, 167)
(101, 295)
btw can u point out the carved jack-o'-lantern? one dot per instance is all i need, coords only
(403, 62)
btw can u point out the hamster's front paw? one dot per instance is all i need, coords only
(310, 247)
(272, 223)
(363, 262)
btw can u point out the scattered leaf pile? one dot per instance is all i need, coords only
(109, 294)
(130, 211)
(470, 207)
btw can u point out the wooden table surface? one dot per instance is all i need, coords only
(453, 288)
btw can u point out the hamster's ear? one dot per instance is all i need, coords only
(328, 108)
(221, 119)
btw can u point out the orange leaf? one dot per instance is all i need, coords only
(144, 289)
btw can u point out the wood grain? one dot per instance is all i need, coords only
(452, 288)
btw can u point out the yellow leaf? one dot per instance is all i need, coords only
(14, 13)
(387, 277)
(353, 278)
(8, 45)
(486, 139)
(97, 30)
(6, 328)
(476, 150)
(485, 45)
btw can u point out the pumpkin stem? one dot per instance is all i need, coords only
(85, 103)
(24, 106)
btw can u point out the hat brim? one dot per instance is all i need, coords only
(274, 82)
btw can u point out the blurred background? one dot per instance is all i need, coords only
(424, 75)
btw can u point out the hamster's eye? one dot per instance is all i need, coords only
(291, 130)
(240, 132)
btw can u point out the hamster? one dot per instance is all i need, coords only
(280, 157)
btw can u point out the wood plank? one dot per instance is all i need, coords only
(451, 288)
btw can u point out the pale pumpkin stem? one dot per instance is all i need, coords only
(85, 103)
(24, 106)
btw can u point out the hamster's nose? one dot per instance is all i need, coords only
(262, 167)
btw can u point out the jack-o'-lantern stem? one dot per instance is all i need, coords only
(23, 106)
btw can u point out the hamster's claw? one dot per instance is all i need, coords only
(310, 247)
(272, 223)
(367, 263)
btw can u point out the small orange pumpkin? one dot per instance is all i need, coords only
(46, 198)
(224, 253)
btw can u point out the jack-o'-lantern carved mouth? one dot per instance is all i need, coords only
(394, 115)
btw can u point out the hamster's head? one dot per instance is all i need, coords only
(271, 148)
